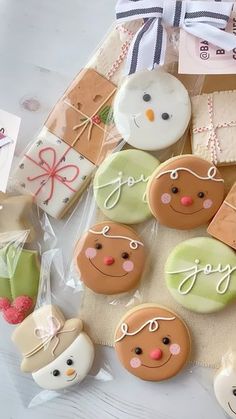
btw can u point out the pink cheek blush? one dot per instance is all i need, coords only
(207, 203)
(128, 266)
(165, 198)
(135, 363)
(175, 349)
(90, 253)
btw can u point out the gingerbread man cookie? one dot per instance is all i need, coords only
(225, 384)
(152, 342)
(185, 192)
(152, 110)
(110, 258)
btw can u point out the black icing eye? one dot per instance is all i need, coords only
(234, 392)
(125, 255)
(166, 341)
(200, 194)
(98, 246)
(146, 97)
(175, 190)
(138, 351)
(69, 362)
(165, 116)
(56, 373)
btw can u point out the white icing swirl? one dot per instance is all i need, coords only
(133, 243)
(152, 324)
(174, 174)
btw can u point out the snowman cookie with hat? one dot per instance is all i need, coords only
(56, 351)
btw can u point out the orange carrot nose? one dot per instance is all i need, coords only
(150, 115)
(70, 372)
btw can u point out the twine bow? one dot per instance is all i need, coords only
(52, 171)
(203, 19)
(213, 142)
(47, 334)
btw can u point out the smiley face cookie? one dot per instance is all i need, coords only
(201, 274)
(185, 192)
(225, 384)
(152, 110)
(110, 258)
(120, 186)
(152, 342)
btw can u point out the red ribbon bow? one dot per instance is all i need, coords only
(52, 171)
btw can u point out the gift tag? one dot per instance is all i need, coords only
(9, 128)
(197, 56)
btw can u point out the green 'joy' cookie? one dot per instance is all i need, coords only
(200, 274)
(120, 186)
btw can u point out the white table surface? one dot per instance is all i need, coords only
(43, 44)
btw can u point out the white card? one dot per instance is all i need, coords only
(9, 129)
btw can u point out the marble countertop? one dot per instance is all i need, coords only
(43, 44)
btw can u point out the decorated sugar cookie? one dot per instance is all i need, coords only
(56, 351)
(120, 186)
(110, 258)
(152, 110)
(225, 384)
(201, 274)
(152, 342)
(185, 192)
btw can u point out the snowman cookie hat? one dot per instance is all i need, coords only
(56, 351)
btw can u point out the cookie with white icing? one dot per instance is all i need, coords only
(152, 342)
(120, 186)
(201, 274)
(56, 351)
(110, 258)
(152, 110)
(225, 384)
(185, 192)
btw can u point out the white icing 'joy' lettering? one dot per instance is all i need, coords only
(222, 285)
(114, 196)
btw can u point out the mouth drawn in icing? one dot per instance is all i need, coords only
(135, 122)
(103, 273)
(231, 408)
(186, 213)
(158, 366)
(72, 379)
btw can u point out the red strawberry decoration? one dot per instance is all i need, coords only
(15, 312)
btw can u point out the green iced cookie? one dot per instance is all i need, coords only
(201, 274)
(120, 185)
(19, 272)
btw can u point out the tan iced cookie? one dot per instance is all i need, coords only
(223, 225)
(185, 192)
(152, 342)
(110, 258)
(14, 213)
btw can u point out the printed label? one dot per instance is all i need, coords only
(197, 56)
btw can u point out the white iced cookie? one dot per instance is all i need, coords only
(71, 367)
(225, 384)
(152, 110)
(55, 351)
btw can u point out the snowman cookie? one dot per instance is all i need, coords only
(152, 110)
(201, 274)
(225, 384)
(56, 351)
(185, 192)
(110, 258)
(120, 186)
(152, 342)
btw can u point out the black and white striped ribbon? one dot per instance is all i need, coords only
(203, 19)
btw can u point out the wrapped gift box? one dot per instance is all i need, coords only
(214, 127)
(83, 118)
(54, 173)
(223, 225)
